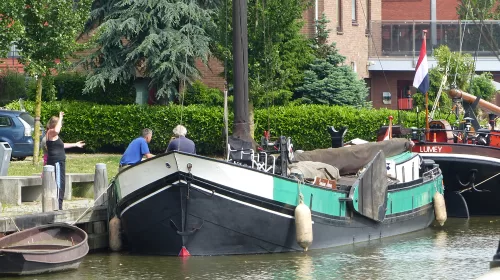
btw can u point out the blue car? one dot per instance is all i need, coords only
(17, 128)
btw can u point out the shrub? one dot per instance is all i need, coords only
(48, 89)
(199, 93)
(70, 87)
(107, 128)
(12, 87)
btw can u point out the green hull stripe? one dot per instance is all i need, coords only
(406, 200)
(327, 202)
(323, 200)
(402, 157)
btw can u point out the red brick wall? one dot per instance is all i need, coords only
(379, 85)
(308, 18)
(447, 9)
(352, 42)
(213, 74)
(9, 64)
(418, 9)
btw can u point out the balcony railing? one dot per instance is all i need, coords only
(404, 38)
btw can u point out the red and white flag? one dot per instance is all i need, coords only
(421, 80)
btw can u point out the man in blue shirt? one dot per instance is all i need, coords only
(137, 149)
(181, 142)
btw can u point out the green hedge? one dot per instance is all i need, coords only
(110, 128)
(69, 86)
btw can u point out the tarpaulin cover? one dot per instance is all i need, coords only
(350, 159)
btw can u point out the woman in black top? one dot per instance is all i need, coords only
(57, 155)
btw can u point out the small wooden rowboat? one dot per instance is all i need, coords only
(43, 249)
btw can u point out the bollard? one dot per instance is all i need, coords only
(100, 183)
(49, 198)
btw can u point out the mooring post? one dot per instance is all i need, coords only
(100, 183)
(49, 197)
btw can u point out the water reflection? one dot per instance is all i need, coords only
(459, 250)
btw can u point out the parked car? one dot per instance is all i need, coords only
(17, 128)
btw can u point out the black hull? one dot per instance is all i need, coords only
(15, 264)
(469, 202)
(226, 223)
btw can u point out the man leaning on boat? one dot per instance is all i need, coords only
(136, 150)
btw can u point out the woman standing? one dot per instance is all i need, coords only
(57, 155)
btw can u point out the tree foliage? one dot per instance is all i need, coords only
(328, 81)
(156, 39)
(278, 53)
(47, 39)
(10, 29)
(460, 69)
(478, 9)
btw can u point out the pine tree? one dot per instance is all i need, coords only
(155, 39)
(328, 81)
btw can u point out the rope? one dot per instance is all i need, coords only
(226, 85)
(461, 42)
(480, 183)
(443, 81)
(88, 208)
(184, 86)
(375, 48)
(18, 230)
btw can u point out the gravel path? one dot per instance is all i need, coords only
(36, 207)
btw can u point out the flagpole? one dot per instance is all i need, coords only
(427, 129)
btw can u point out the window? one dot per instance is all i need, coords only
(354, 12)
(14, 52)
(339, 17)
(404, 94)
(386, 97)
(4, 121)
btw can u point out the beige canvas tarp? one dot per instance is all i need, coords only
(350, 159)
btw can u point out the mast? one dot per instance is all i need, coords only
(241, 125)
(456, 93)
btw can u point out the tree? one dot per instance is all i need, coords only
(460, 69)
(155, 39)
(328, 81)
(49, 29)
(478, 9)
(10, 29)
(278, 53)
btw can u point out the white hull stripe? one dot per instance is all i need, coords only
(245, 203)
(208, 192)
(144, 198)
(464, 156)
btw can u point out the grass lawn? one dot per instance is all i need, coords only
(75, 163)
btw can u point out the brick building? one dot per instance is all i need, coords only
(381, 40)
(349, 25)
(398, 37)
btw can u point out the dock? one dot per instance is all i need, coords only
(92, 219)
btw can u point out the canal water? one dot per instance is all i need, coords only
(460, 250)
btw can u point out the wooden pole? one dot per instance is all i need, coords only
(49, 197)
(427, 116)
(100, 183)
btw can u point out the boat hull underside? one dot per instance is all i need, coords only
(478, 203)
(15, 264)
(229, 223)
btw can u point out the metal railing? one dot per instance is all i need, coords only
(404, 38)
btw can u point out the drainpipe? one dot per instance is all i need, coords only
(433, 24)
(315, 16)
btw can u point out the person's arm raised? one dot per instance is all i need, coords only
(58, 126)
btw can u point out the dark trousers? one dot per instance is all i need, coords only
(60, 174)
